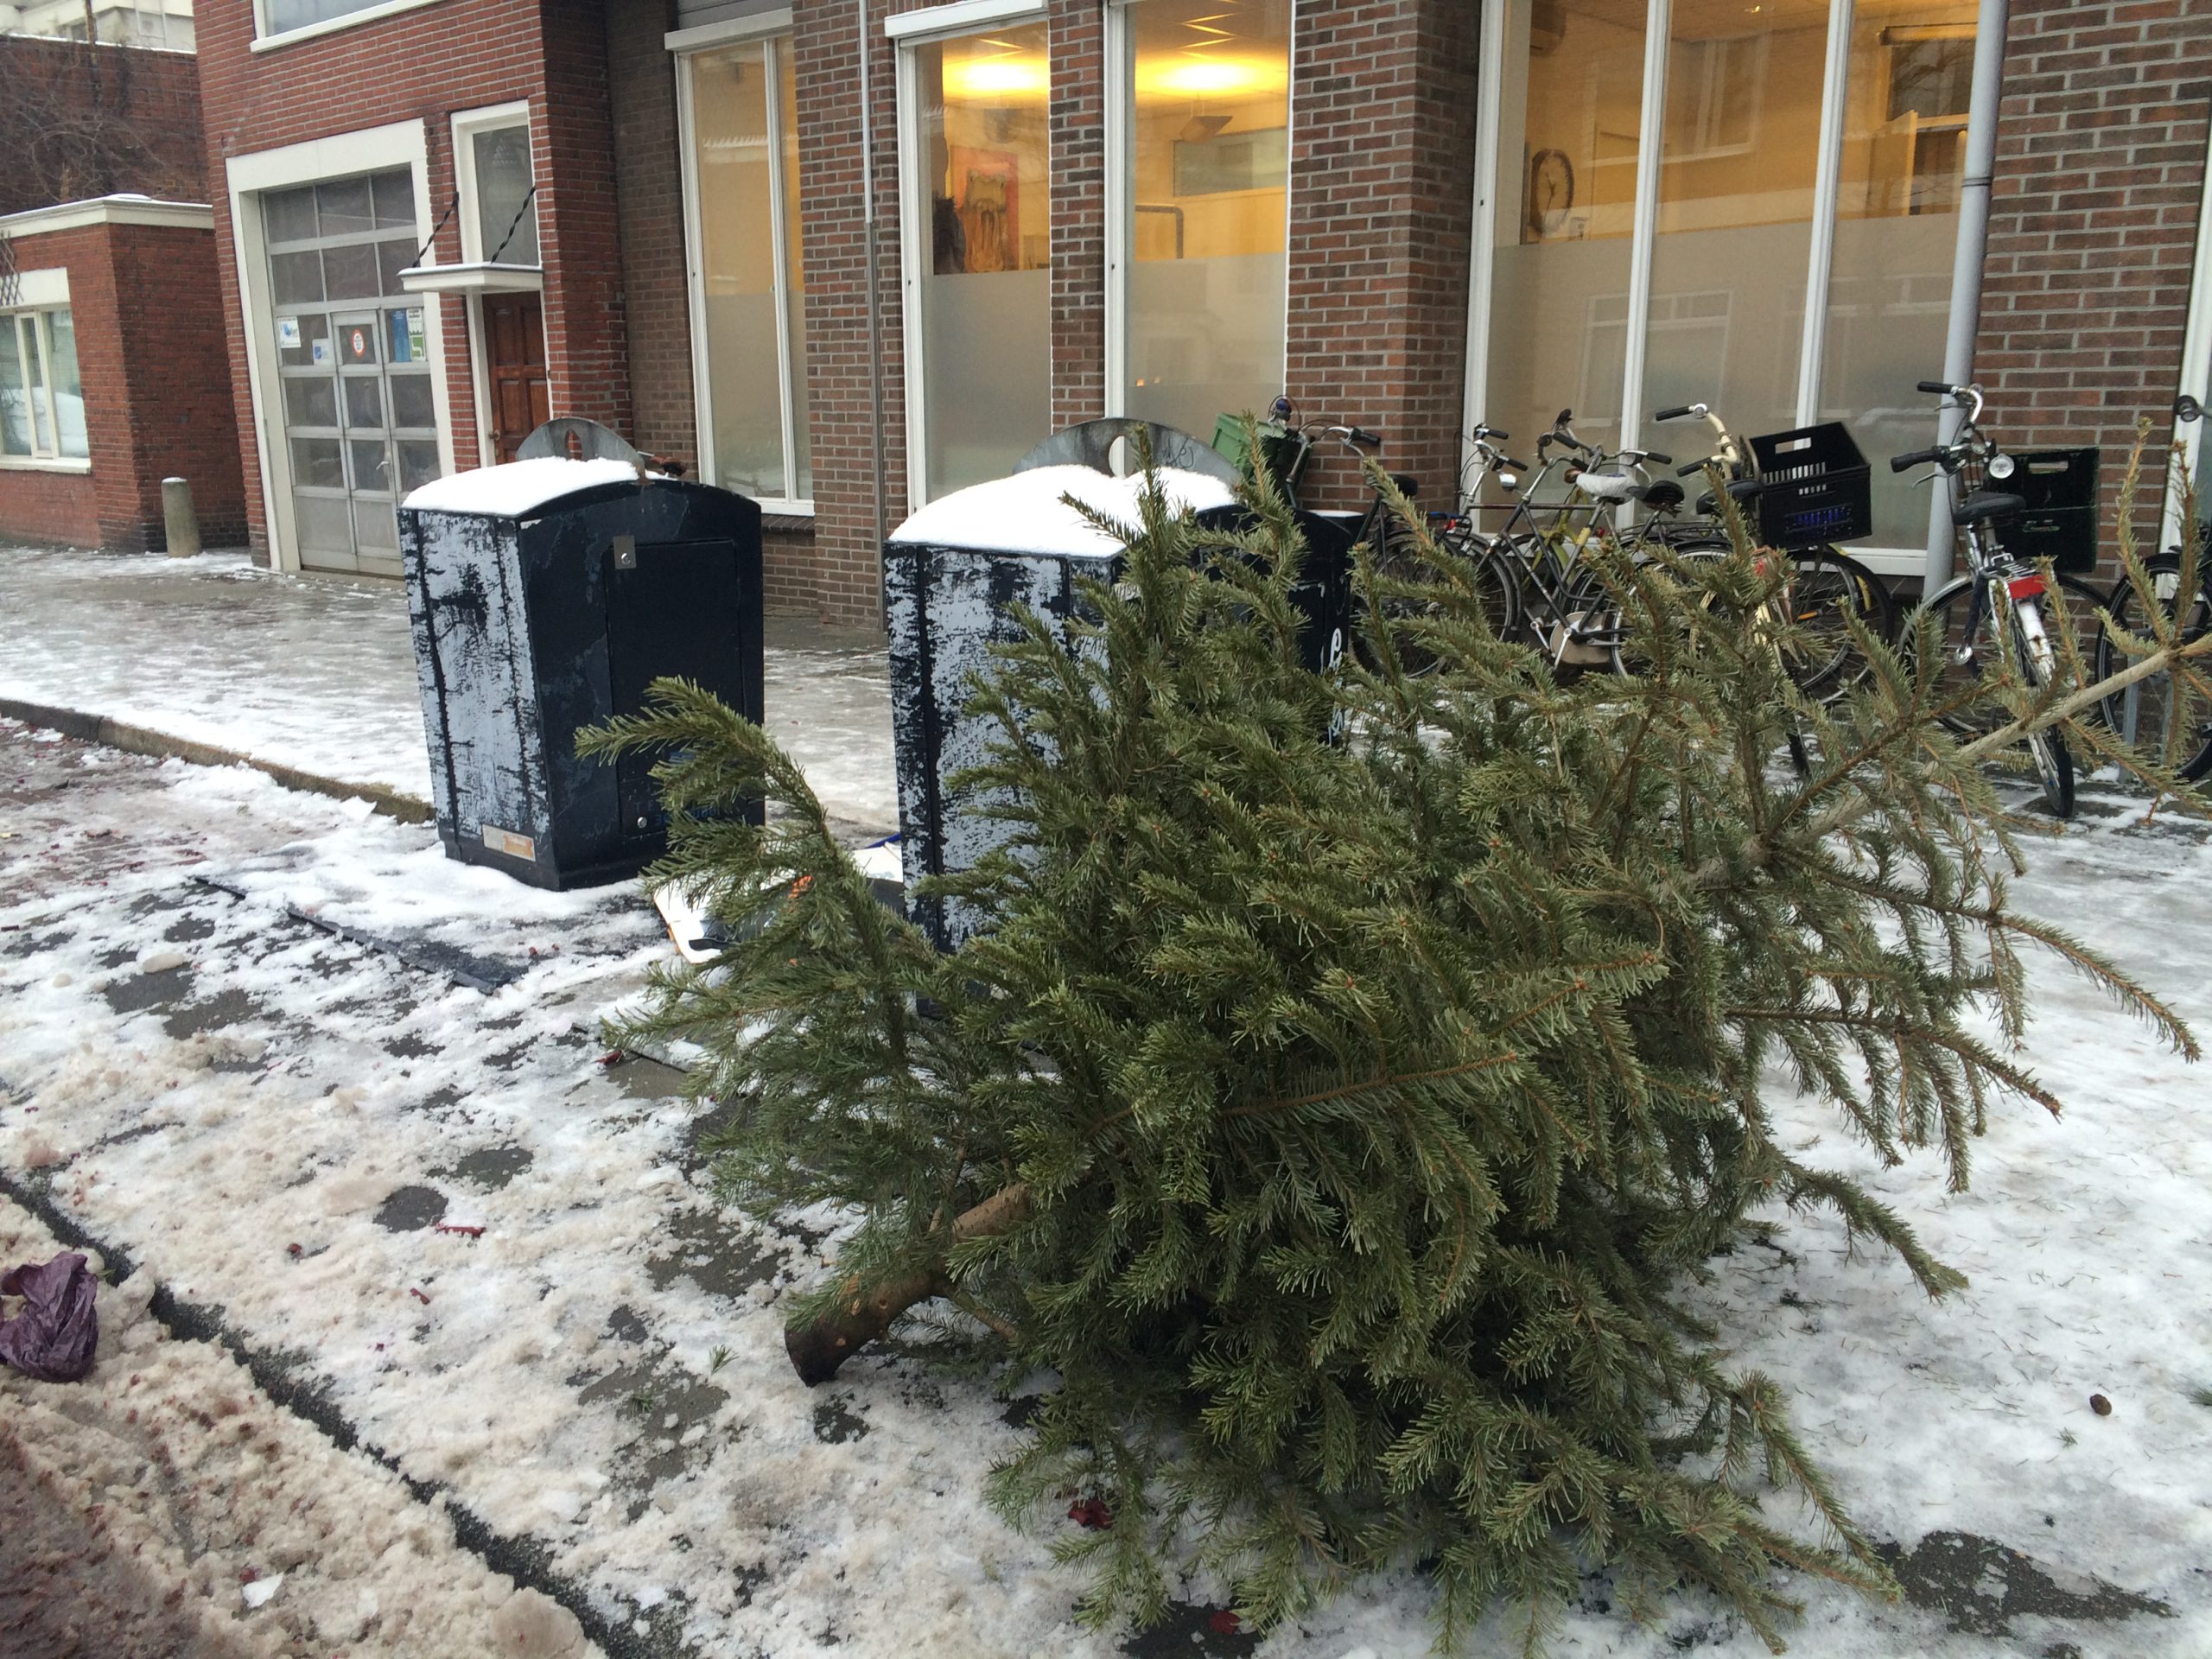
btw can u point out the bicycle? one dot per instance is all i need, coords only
(1995, 611)
(2181, 716)
(1827, 587)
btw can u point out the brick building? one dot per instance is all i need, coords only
(113, 369)
(845, 255)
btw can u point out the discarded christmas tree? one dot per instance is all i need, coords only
(1351, 1069)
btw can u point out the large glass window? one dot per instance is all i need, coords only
(1734, 237)
(1896, 226)
(979, 207)
(42, 397)
(1749, 93)
(752, 274)
(506, 208)
(282, 16)
(1571, 114)
(1209, 121)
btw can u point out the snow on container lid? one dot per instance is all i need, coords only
(1025, 514)
(519, 487)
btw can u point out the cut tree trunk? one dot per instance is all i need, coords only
(819, 1346)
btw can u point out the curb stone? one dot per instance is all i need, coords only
(161, 746)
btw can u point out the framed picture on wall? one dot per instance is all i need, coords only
(987, 200)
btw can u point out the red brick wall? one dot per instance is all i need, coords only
(649, 182)
(168, 320)
(151, 357)
(48, 507)
(425, 65)
(79, 121)
(2100, 153)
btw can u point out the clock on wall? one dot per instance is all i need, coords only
(1551, 193)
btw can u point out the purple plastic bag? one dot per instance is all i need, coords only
(53, 1337)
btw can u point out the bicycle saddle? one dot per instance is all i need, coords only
(1986, 504)
(1407, 484)
(1605, 486)
(1662, 495)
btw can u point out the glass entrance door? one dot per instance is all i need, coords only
(360, 424)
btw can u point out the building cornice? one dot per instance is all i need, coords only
(108, 210)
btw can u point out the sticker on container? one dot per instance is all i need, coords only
(508, 841)
(288, 332)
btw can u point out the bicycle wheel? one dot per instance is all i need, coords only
(2167, 719)
(1966, 653)
(2054, 760)
(1827, 590)
(1495, 581)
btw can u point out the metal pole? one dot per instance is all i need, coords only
(875, 285)
(1966, 264)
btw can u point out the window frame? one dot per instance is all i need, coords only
(267, 39)
(1651, 157)
(759, 30)
(40, 294)
(467, 126)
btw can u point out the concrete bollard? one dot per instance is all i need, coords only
(180, 523)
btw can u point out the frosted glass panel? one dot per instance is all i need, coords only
(730, 96)
(1570, 110)
(1209, 96)
(1896, 228)
(985, 280)
(1735, 217)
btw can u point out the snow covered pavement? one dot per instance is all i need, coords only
(433, 1218)
(318, 672)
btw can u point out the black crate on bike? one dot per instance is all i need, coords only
(2060, 487)
(1815, 488)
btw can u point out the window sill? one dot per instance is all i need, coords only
(30, 464)
(333, 25)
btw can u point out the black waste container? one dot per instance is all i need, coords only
(954, 575)
(545, 596)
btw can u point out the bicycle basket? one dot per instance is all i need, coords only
(1276, 447)
(2060, 487)
(1815, 488)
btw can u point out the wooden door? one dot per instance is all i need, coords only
(514, 349)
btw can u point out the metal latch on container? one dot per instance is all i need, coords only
(626, 552)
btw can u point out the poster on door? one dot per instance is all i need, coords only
(407, 342)
(359, 342)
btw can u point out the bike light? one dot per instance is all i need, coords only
(2025, 586)
(1510, 481)
(2000, 466)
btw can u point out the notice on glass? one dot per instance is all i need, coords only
(288, 332)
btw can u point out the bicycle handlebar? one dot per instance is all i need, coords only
(1688, 469)
(1678, 412)
(1918, 457)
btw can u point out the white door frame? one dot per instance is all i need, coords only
(372, 150)
(465, 125)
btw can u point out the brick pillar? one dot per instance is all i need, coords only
(1076, 121)
(848, 555)
(2101, 155)
(586, 344)
(1382, 206)
(648, 172)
